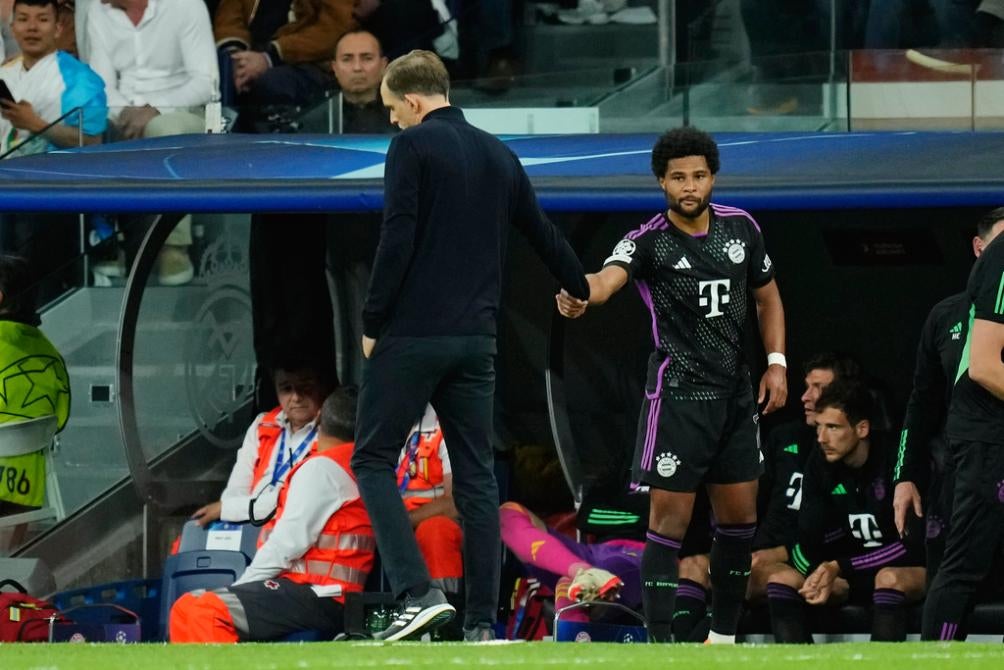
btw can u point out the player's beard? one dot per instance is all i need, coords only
(674, 205)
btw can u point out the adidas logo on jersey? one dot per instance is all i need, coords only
(956, 331)
(791, 448)
(839, 490)
(683, 264)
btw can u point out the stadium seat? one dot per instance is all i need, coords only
(193, 570)
(220, 535)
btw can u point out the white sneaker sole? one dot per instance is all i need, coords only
(428, 619)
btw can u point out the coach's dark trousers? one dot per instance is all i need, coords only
(977, 530)
(457, 374)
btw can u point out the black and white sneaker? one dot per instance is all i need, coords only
(419, 615)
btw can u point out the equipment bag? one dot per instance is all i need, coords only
(531, 610)
(24, 618)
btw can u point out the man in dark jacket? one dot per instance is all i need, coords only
(429, 323)
(279, 50)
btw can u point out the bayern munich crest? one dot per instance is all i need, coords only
(735, 250)
(667, 464)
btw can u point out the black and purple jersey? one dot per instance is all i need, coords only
(697, 290)
(846, 515)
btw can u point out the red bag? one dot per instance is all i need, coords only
(24, 618)
(530, 613)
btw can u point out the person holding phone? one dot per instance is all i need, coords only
(44, 85)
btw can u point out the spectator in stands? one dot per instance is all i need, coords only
(403, 25)
(274, 444)
(67, 40)
(785, 454)
(48, 85)
(279, 51)
(922, 462)
(159, 65)
(358, 67)
(847, 546)
(318, 548)
(35, 384)
(425, 480)
(157, 61)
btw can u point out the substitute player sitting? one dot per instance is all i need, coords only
(848, 546)
(697, 266)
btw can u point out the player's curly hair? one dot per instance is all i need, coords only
(681, 142)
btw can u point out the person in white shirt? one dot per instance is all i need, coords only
(158, 60)
(319, 548)
(47, 85)
(274, 444)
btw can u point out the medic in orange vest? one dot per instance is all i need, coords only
(426, 484)
(272, 447)
(318, 547)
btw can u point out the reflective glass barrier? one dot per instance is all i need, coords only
(193, 360)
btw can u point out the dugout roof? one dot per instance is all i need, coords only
(256, 173)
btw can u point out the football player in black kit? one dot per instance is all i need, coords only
(697, 266)
(847, 545)
(785, 452)
(922, 441)
(975, 430)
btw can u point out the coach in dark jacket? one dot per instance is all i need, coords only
(451, 193)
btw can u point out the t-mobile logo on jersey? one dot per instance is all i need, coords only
(718, 292)
(865, 527)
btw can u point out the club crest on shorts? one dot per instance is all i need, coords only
(271, 585)
(667, 464)
(735, 250)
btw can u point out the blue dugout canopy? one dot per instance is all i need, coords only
(312, 173)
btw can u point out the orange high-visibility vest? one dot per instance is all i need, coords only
(423, 471)
(343, 553)
(268, 437)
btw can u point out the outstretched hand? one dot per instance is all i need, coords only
(570, 307)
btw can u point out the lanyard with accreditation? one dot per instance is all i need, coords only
(269, 495)
(294, 456)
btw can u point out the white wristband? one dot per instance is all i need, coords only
(775, 358)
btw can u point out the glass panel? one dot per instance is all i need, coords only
(194, 362)
(773, 93)
(933, 89)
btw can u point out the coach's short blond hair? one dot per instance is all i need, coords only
(419, 72)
